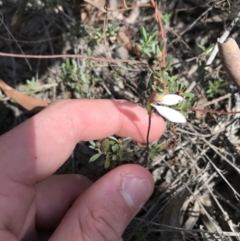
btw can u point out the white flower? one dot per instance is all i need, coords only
(169, 113)
(169, 100)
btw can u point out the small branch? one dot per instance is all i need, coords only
(215, 111)
(61, 56)
(201, 16)
(214, 101)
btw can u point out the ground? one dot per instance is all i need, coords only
(123, 53)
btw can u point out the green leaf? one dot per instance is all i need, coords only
(114, 158)
(152, 36)
(106, 163)
(92, 143)
(166, 17)
(201, 47)
(67, 64)
(144, 33)
(112, 143)
(74, 64)
(147, 52)
(209, 47)
(166, 77)
(95, 157)
(106, 144)
(115, 147)
(188, 95)
(155, 49)
(168, 62)
(159, 90)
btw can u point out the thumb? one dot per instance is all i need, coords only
(104, 210)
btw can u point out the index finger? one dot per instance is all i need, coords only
(38, 147)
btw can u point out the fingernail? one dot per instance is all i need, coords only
(135, 190)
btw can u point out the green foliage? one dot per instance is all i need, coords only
(204, 49)
(166, 18)
(30, 88)
(215, 88)
(71, 74)
(154, 150)
(185, 104)
(110, 33)
(111, 148)
(148, 45)
(171, 85)
(202, 58)
(98, 34)
(78, 77)
(95, 157)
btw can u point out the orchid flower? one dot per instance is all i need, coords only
(169, 113)
(169, 100)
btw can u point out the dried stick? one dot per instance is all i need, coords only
(80, 56)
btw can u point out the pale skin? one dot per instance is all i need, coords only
(36, 205)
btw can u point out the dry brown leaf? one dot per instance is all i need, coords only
(84, 16)
(124, 40)
(100, 4)
(230, 56)
(27, 102)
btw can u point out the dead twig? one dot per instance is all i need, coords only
(61, 56)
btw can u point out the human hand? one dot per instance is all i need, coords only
(35, 205)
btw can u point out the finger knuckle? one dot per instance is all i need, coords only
(97, 226)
